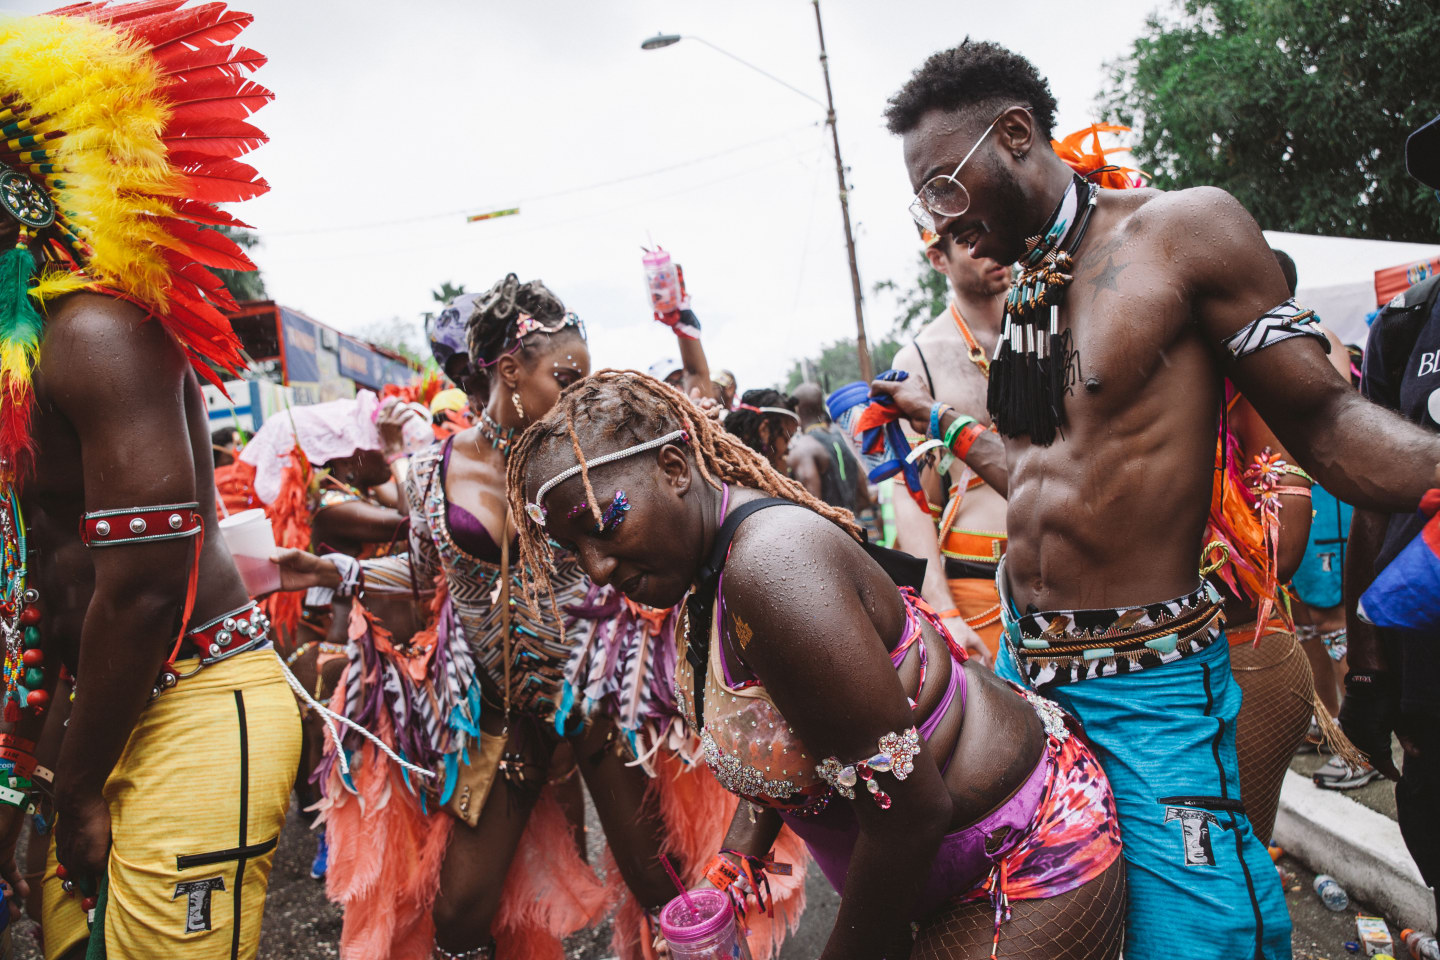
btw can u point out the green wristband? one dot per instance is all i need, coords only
(953, 431)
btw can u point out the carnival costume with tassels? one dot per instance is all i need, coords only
(424, 695)
(1152, 683)
(120, 129)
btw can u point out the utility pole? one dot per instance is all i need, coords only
(862, 347)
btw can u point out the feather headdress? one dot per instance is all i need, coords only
(129, 119)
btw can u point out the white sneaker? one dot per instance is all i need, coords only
(1336, 774)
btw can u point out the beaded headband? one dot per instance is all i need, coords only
(536, 512)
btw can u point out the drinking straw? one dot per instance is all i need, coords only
(685, 894)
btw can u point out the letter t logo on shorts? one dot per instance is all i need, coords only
(197, 907)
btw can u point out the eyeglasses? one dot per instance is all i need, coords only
(944, 196)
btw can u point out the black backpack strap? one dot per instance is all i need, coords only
(701, 604)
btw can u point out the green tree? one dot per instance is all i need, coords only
(838, 364)
(921, 299)
(242, 284)
(1300, 108)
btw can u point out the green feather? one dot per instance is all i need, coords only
(19, 320)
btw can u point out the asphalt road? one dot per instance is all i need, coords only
(300, 924)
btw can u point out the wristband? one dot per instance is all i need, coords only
(19, 743)
(13, 798)
(937, 410)
(966, 440)
(956, 425)
(721, 871)
(23, 763)
(950, 614)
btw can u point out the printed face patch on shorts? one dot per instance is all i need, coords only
(1194, 834)
(197, 904)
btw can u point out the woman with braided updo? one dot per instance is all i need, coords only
(490, 672)
(765, 422)
(797, 645)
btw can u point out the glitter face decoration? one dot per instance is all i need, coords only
(613, 516)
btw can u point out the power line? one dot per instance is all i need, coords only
(422, 218)
(551, 224)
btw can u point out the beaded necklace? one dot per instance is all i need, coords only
(19, 617)
(499, 437)
(1034, 365)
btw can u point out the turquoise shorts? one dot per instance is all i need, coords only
(1201, 885)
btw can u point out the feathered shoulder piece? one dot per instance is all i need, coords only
(121, 126)
(1092, 161)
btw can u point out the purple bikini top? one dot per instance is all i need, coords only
(466, 529)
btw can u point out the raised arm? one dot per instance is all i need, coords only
(692, 357)
(1365, 455)
(828, 671)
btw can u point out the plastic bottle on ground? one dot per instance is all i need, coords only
(1422, 946)
(1331, 893)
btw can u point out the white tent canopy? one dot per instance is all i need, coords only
(1337, 275)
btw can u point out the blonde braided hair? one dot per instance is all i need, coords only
(613, 409)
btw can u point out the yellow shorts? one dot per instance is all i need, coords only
(197, 801)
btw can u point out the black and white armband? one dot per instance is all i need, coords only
(1280, 323)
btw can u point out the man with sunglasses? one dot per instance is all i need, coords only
(1133, 308)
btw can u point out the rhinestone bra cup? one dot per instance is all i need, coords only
(739, 777)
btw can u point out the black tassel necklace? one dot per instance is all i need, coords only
(1034, 364)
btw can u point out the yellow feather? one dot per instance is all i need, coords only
(103, 91)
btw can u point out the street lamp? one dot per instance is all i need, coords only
(862, 348)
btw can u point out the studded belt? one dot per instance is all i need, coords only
(238, 631)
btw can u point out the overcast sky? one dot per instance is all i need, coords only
(393, 121)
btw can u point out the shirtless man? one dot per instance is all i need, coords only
(121, 424)
(950, 356)
(172, 777)
(1104, 610)
(819, 458)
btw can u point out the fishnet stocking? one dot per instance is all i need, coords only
(1087, 923)
(1274, 717)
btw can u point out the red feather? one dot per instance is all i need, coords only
(171, 33)
(230, 97)
(200, 212)
(220, 181)
(214, 136)
(104, 13)
(209, 247)
(203, 280)
(207, 332)
(217, 62)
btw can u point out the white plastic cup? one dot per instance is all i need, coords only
(252, 543)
